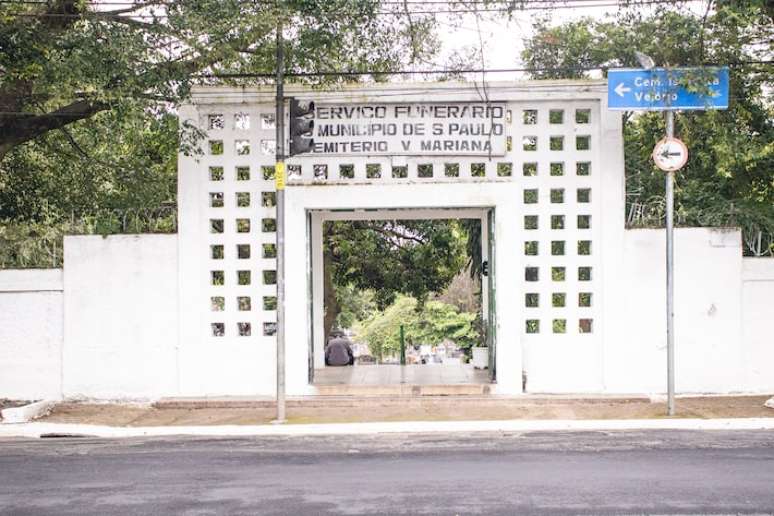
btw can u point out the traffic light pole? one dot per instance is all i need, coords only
(279, 178)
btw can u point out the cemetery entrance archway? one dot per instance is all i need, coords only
(451, 371)
(308, 205)
(546, 158)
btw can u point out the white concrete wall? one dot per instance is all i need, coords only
(230, 364)
(31, 334)
(575, 362)
(120, 318)
(236, 364)
(724, 305)
(417, 195)
(120, 309)
(757, 327)
(708, 337)
(138, 310)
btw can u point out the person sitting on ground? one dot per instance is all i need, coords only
(339, 352)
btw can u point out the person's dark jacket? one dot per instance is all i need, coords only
(339, 352)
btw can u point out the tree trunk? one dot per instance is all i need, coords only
(15, 130)
(331, 304)
(4, 149)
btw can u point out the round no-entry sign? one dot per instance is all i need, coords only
(670, 154)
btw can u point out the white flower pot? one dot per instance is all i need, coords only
(480, 358)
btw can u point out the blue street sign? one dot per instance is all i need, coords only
(660, 89)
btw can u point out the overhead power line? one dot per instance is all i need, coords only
(537, 5)
(354, 73)
(516, 4)
(401, 90)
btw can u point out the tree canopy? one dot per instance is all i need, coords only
(89, 91)
(412, 257)
(87, 115)
(430, 323)
(67, 60)
(729, 178)
(354, 305)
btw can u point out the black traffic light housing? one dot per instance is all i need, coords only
(301, 126)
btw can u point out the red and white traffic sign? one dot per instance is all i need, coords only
(670, 154)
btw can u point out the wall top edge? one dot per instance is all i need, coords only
(31, 280)
(706, 229)
(122, 236)
(400, 92)
(758, 268)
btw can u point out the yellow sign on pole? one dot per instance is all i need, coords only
(279, 175)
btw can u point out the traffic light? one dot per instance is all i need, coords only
(301, 126)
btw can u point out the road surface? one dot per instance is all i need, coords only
(664, 472)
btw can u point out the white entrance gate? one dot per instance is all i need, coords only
(563, 162)
(317, 218)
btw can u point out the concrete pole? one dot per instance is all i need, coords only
(670, 273)
(279, 173)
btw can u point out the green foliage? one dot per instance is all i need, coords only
(428, 323)
(729, 178)
(473, 230)
(88, 96)
(355, 305)
(66, 60)
(415, 258)
(113, 161)
(31, 245)
(35, 245)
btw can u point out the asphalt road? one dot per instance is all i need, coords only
(664, 472)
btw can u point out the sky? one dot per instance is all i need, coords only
(503, 38)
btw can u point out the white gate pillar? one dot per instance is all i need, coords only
(297, 300)
(508, 310)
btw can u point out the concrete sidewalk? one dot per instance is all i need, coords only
(330, 410)
(60, 430)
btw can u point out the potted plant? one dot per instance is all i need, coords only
(480, 357)
(480, 349)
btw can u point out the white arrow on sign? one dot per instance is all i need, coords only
(621, 89)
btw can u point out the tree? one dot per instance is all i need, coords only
(89, 90)
(355, 305)
(729, 178)
(88, 93)
(412, 257)
(428, 323)
(64, 61)
(118, 160)
(464, 293)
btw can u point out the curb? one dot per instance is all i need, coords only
(27, 413)
(328, 401)
(39, 430)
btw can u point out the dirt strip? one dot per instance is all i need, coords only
(411, 409)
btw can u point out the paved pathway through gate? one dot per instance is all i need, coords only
(389, 374)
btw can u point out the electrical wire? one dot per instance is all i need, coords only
(442, 71)
(343, 95)
(398, 90)
(545, 5)
(516, 4)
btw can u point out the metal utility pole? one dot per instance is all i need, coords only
(670, 154)
(670, 271)
(279, 180)
(660, 89)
